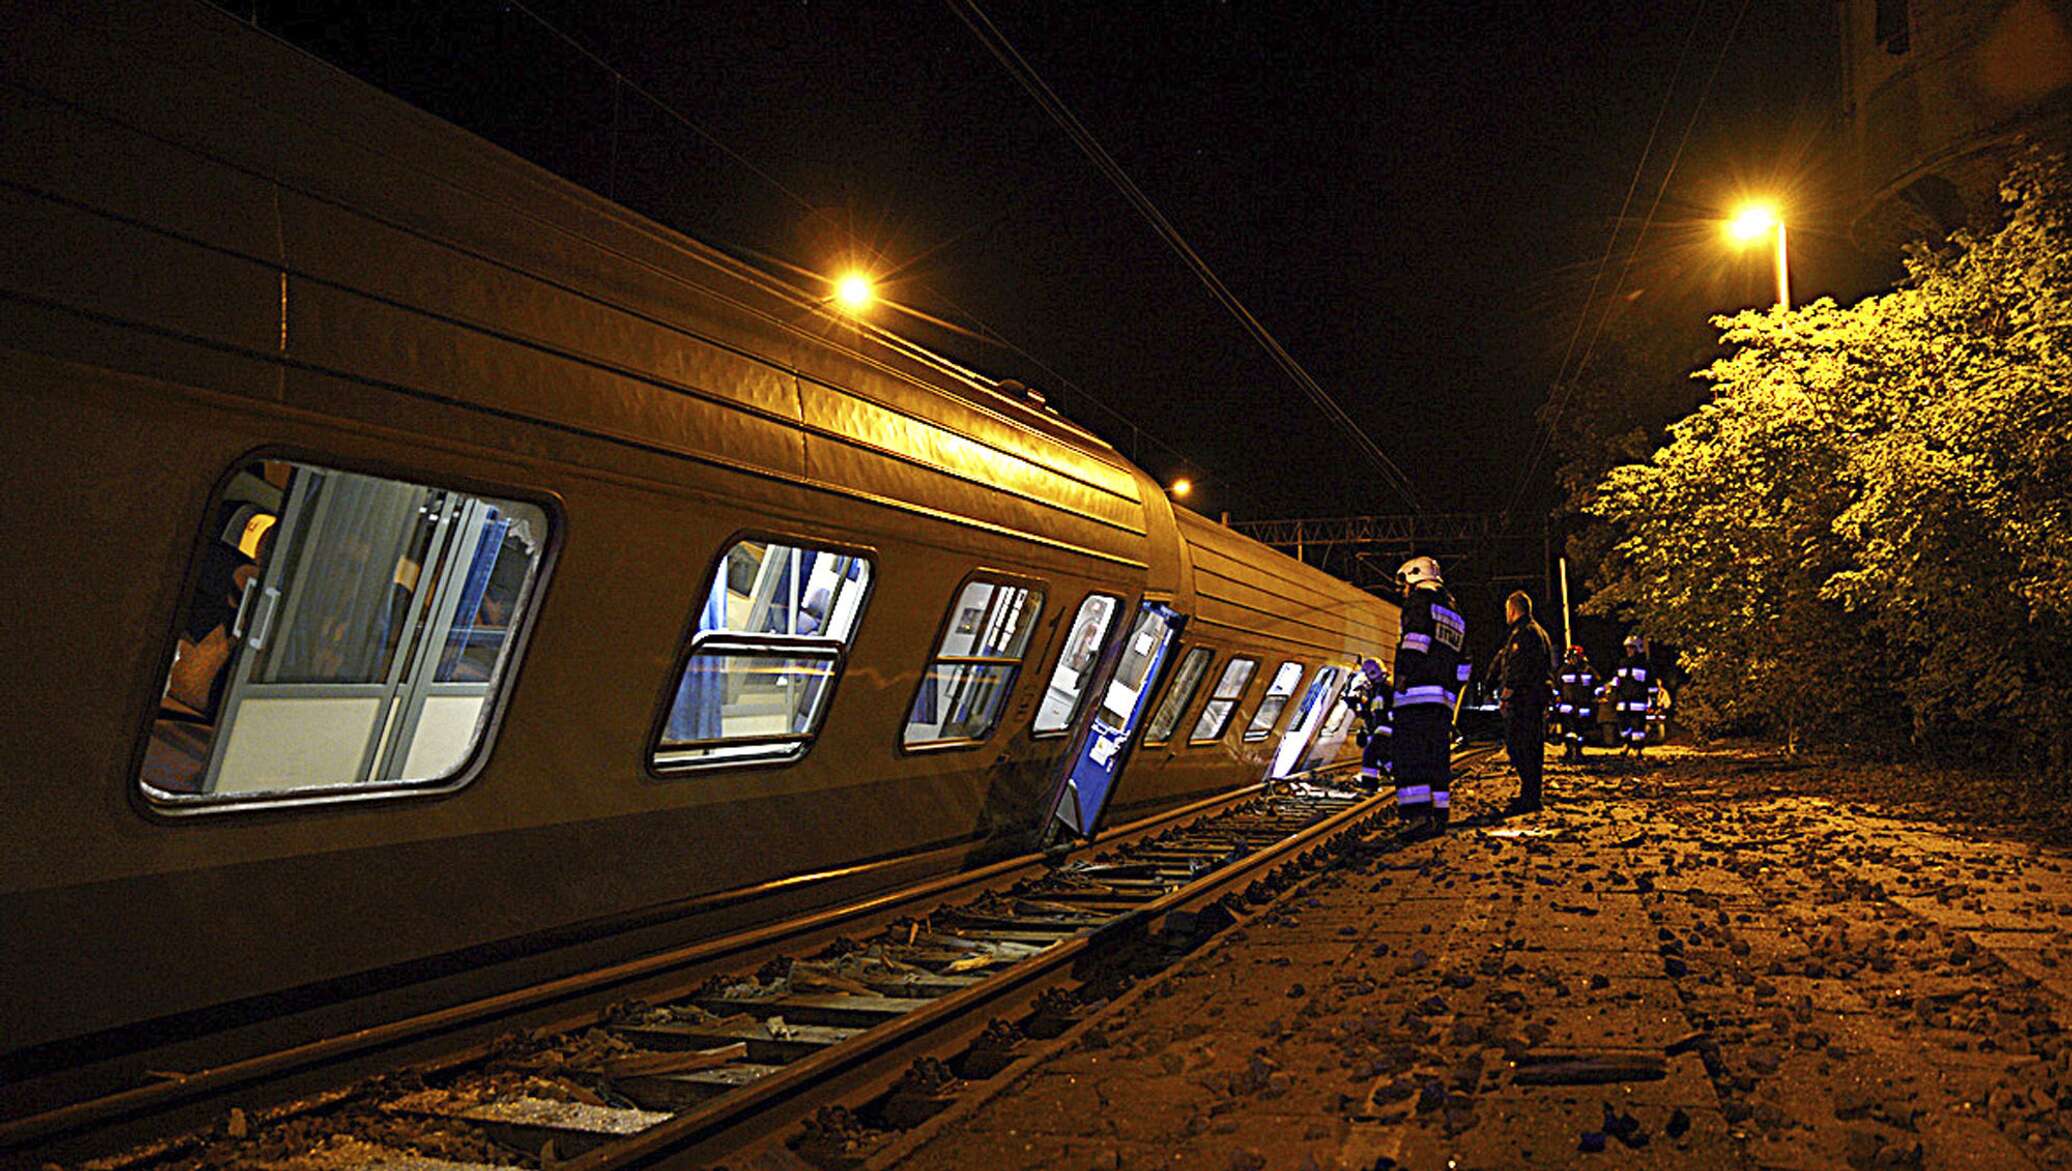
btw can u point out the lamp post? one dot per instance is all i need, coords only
(1753, 222)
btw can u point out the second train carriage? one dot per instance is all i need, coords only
(427, 577)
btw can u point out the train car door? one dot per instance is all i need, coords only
(1316, 703)
(1338, 723)
(1104, 748)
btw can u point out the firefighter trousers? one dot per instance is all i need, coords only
(1423, 750)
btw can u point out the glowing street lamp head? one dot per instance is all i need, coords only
(1752, 222)
(1181, 488)
(854, 292)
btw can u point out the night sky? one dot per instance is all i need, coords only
(1412, 197)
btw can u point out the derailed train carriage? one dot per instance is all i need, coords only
(428, 578)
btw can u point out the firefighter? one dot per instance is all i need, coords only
(1368, 696)
(1576, 709)
(1524, 669)
(1430, 672)
(1633, 686)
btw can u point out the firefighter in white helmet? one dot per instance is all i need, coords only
(1431, 669)
(1633, 691)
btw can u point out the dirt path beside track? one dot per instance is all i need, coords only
(1687, 965)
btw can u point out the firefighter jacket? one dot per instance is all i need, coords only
(1430, 665)
(1578, 690)
(1525, 665)
(1633, 684)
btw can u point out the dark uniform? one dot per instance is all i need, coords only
(1523, 669)
(1430, 671)
(1633, 689)
(1575, 708)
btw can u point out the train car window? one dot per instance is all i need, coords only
(1285, 680)
(346, 631)
(1193, 668)
(1215, 715)
(774, 627)
(1066, 693)
(968, 680)
(1341, 710)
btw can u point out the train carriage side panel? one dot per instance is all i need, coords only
(1252, 601)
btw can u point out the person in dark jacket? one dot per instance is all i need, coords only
(1633, 689)
(1430, 671)
(1368, 696)
(1576, 707)
(1524, 670)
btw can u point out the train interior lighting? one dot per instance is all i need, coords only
(343, 630)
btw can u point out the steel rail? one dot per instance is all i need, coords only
(173, 1093)
(899, 1038)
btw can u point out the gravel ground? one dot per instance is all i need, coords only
(1725, 959)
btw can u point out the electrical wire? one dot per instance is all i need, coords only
(1544, 441)
(1019, 68)
(599, 61)
(988, 332)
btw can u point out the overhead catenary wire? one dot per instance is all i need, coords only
(1566, 388)
(620, 78)
(1647, 151)
(1019, 68)
(987, 332)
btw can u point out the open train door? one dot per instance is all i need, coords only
(1338, 723)
(1104, 747)
(1317, 703)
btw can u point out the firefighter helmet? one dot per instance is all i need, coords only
(1635, 644)
(1419, 571)
(1373, 672)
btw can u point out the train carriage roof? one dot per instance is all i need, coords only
(261, 204)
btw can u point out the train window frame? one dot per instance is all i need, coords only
(1186, 703)
(693, 641)
(1255, 732)
(1040, 589)
(1085, 690)
(1237, 702)
(161, 805)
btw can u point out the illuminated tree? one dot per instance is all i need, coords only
(1867, 529)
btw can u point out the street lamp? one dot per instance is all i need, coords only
(1752, 223)
(854, 292)
(1181, 488)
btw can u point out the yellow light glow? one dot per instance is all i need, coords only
(855, 292)
(1182, 486)
(1752, 222)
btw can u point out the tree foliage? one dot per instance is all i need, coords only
(1866, 531)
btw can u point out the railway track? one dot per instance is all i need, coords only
(695, 1057)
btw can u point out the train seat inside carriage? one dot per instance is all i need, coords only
(343, 629)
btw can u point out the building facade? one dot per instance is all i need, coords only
(1938, 95)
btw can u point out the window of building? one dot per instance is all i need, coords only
(1187, 677)
(1215, 715)
(1894, 29)
(1285, 680)
(774, 625)
(965, 688)
(344, 631)
(1077, 659)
